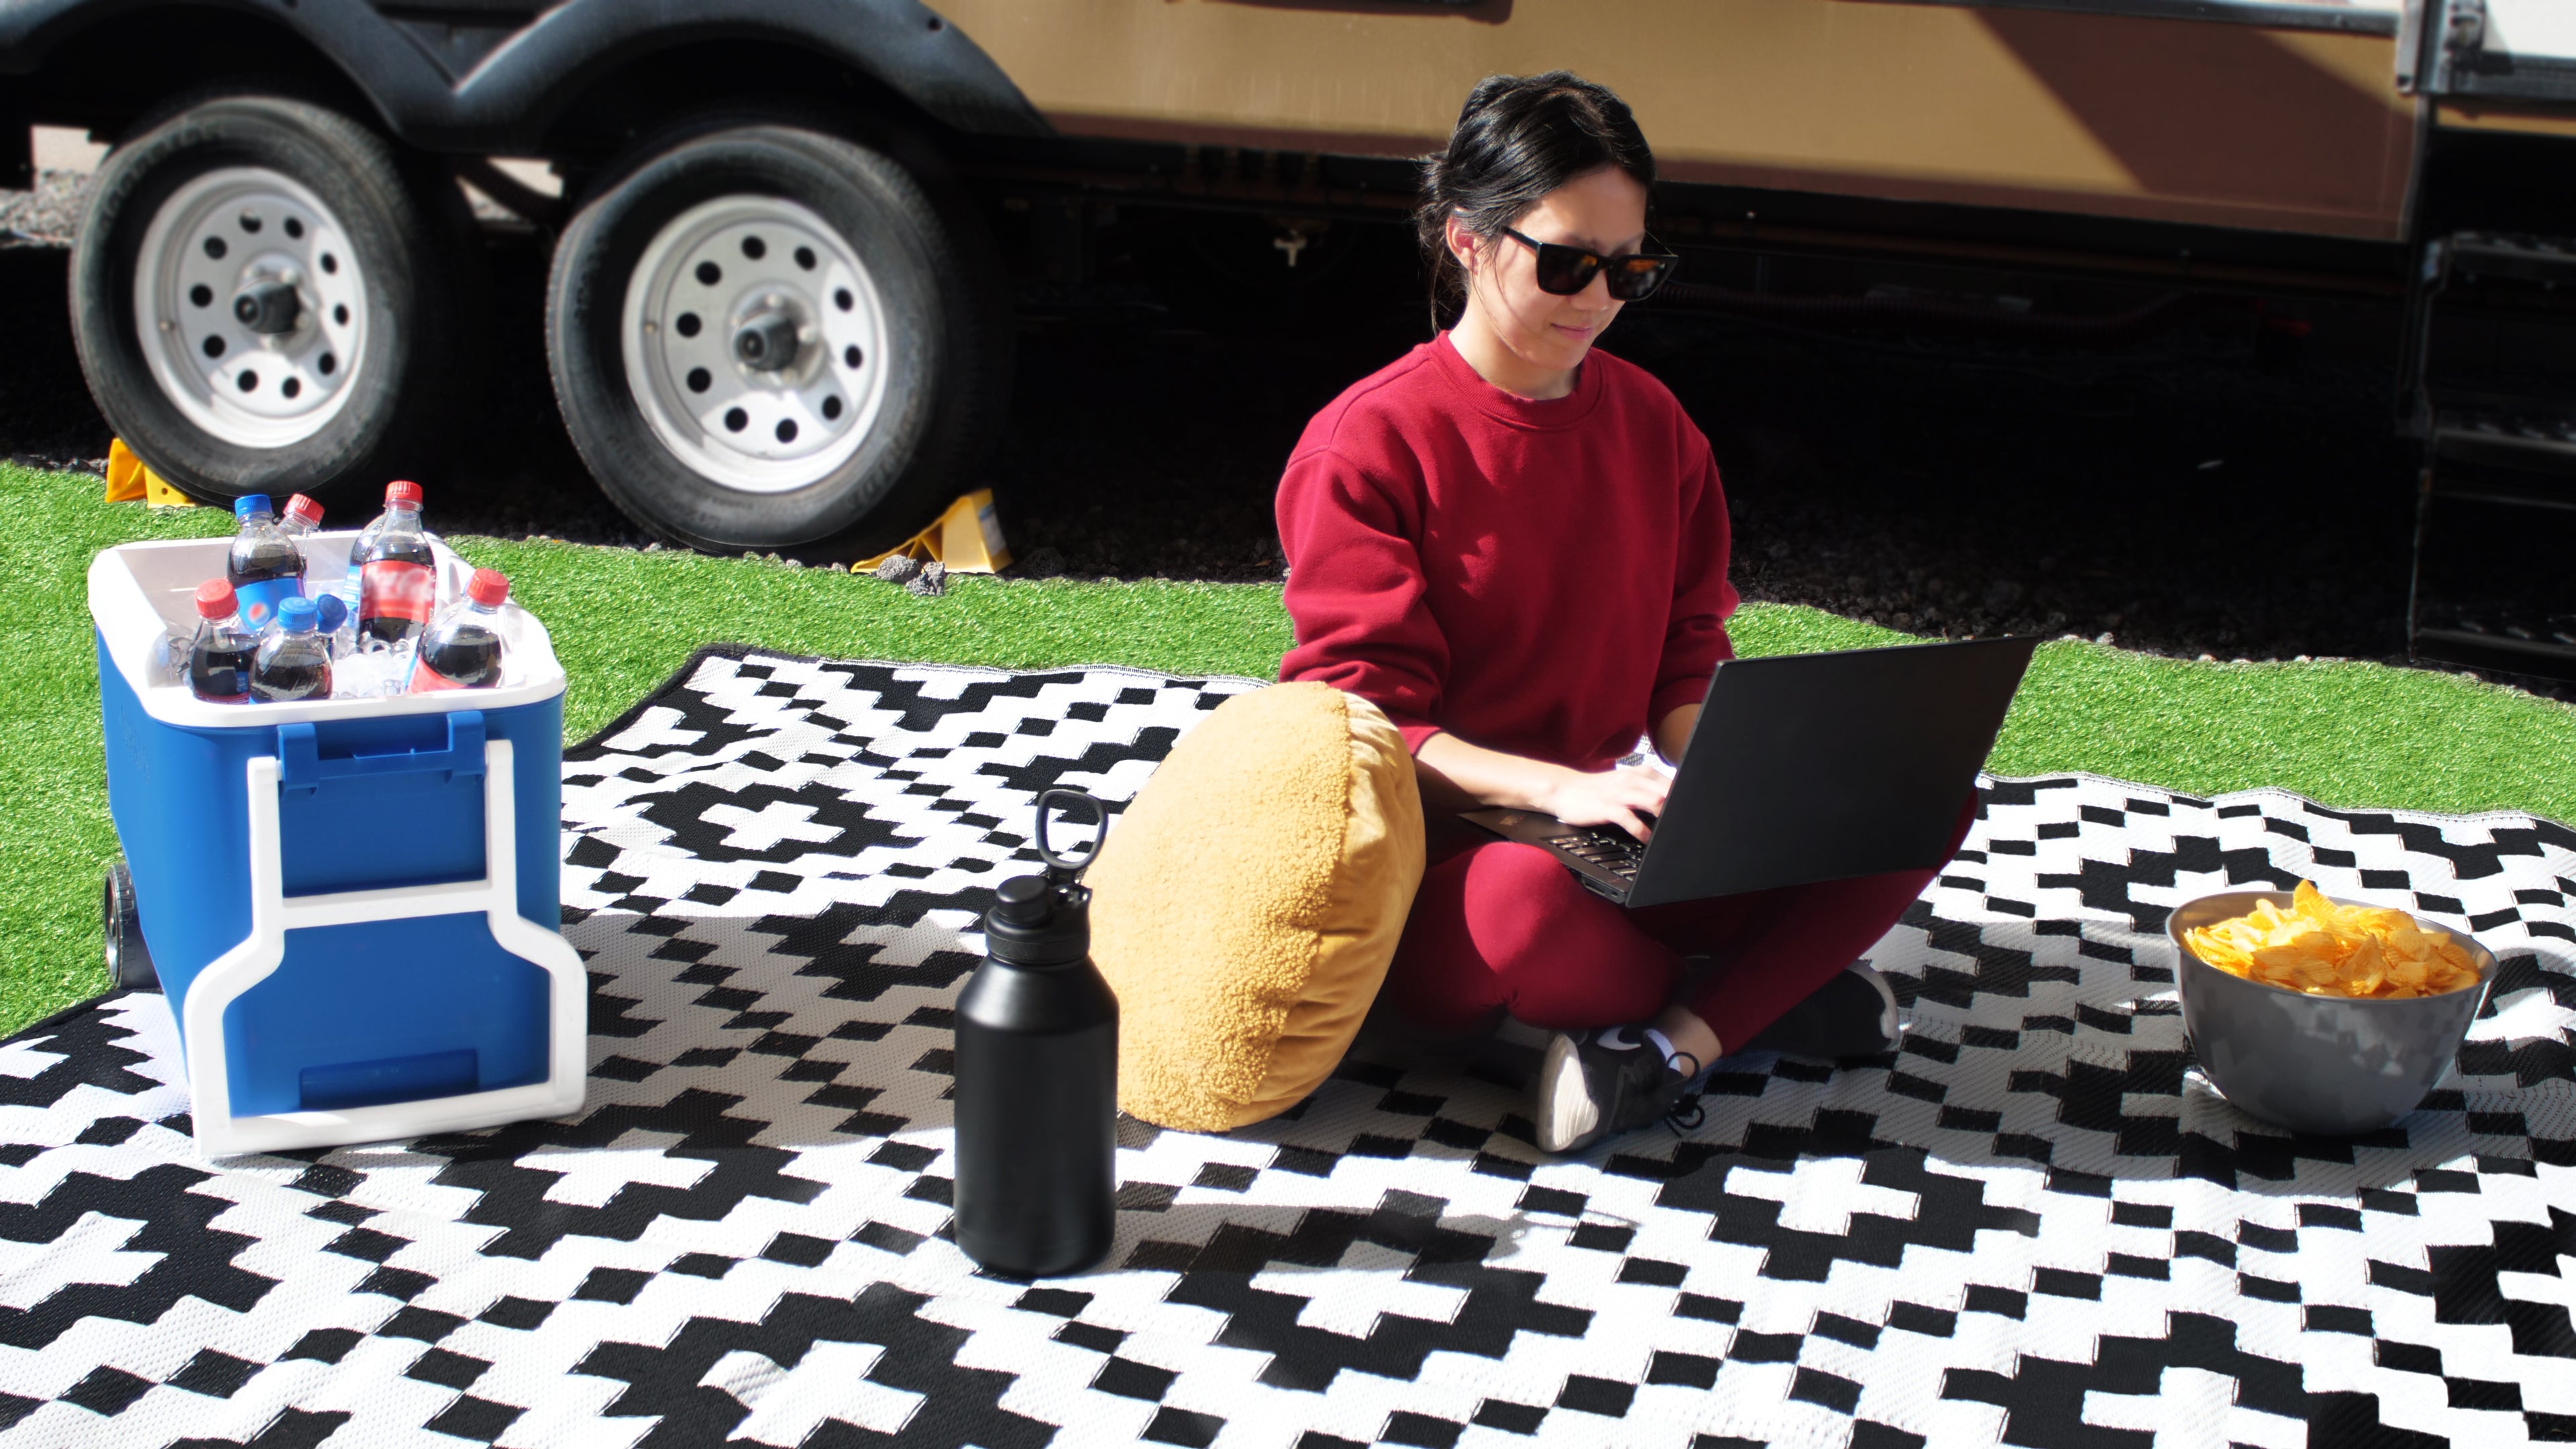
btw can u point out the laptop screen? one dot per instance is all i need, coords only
(1809, 767)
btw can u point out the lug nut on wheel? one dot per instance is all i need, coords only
(766, 342)
(268, 308)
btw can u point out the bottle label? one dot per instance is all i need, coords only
(425, 680)
(397, 589)
(259, 601)
(317, 685)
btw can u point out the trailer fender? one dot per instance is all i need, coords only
(496, 94)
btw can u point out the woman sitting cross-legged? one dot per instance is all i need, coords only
(1515, 545)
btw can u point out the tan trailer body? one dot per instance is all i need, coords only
(2189, 121)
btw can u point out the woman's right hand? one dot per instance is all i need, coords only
(1455, 775)
(1613, 797)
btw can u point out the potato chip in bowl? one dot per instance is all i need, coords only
(2321, 948)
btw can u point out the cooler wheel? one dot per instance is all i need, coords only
(129, 961)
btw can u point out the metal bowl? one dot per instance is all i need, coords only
(2332, 1065)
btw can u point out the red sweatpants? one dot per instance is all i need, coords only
(1499, 924)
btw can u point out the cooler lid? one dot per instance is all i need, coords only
(139, 593)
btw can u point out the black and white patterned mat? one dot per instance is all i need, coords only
(2035, 1225)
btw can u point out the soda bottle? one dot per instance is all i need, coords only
(1037, 1077)
(219, 657)
(301, 517)
(397, 573)
(294, 661)
(347, 589)
(331, 621)
(265, 568)
(463, 649)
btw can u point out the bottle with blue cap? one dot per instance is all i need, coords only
(332, 621)
(1037, 1075)
(265, 568)
(294, 661)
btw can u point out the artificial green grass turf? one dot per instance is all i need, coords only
(622, 621)
(2342, 733)
(54, 832)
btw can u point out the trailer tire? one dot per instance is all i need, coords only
(763, 336)
(266, 299)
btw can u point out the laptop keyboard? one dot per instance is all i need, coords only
(1608, 847)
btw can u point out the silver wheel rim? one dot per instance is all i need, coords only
(794, 413)
(250, 232)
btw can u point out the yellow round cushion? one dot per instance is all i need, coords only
(1246, 904)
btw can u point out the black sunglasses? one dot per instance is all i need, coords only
(1565, 270)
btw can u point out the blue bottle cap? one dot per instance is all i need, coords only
(329, 612)
(250, 503)
(296, 616)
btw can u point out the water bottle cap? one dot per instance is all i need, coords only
(1037, 922)
(402, 490)
(249, 504)
(304, 508)
(330, 612)
(1024, 901)
(215, 600)
(488, 588)
(296, 616)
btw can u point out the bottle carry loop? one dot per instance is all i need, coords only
(1065, 872)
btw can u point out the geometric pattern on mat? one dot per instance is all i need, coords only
(2033, 1225)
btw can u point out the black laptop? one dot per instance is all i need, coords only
(1805, 767)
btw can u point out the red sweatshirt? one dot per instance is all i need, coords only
(1542, 578)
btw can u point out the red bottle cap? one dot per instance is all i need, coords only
(215, 600)
(488, 588)
(402, 490)
(304, 508)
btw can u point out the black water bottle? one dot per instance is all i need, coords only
(1037, 1076)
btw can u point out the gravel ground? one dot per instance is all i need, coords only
(50, 213)
(2181, 494)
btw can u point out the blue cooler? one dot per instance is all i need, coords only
(352, 904)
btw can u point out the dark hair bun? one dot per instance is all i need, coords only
(1518, 138)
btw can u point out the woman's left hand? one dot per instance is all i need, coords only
(1673, 732)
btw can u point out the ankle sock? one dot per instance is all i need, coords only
(1673, 1056)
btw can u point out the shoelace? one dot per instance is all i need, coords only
(1682, 1116)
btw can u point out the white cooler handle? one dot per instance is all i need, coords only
(273, 913)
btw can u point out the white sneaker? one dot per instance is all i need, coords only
(1593, 1085)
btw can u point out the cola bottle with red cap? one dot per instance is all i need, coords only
(462, 650)
(397, 573)
(301, 517)
(219, 656)
(322, 579)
